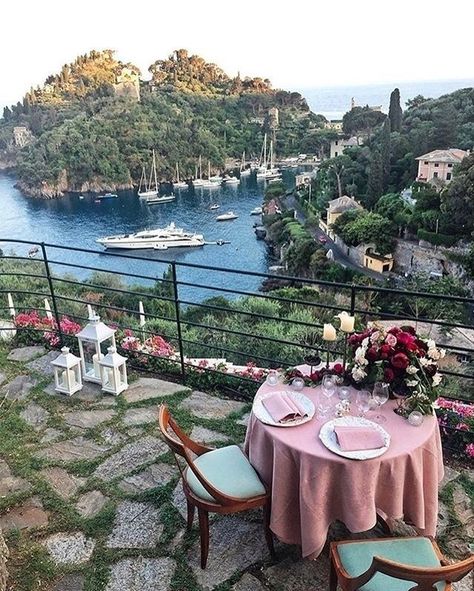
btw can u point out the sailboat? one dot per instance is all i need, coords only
(244, 171)
(179, 184)
(148, 184)
(209, 183)
(262, 168)
(268, 170)
(198, 182)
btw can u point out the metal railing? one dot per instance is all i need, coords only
(276, 330)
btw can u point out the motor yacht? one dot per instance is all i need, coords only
(224, 217)
(159, 239)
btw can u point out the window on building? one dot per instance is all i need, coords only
(435, 175)
(448, 176)
(337, 143)
(436, 165)
(335, 154)
(425, 162)
(450, 165)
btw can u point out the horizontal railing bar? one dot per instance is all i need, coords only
(250, 335)
(100, 270)
(22, 291)
(16, 274)
(415, 319)
(113, 289)
(109, 307)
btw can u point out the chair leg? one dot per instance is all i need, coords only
(332, 577)
(190, 519)
(204, 533)
(268, 531)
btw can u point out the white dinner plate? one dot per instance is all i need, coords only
(263, 415)
(329, 439)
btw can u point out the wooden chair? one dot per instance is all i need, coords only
(393, 564)
(217, 481)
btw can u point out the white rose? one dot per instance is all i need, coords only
(424, 361)
(360, 356)
(412, 370)
(365, 342)
(358, 374)
(374, 337)
(411, 383)
(434, 354)
(442, 353)
(431, 344)
(437, 379)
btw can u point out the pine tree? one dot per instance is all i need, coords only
(395, 111)
(7, 114)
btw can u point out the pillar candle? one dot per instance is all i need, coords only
(347, 322)
(110, 376)
(95, 361)
(329, 333)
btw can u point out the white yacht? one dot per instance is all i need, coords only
(198, 182)
(159, 239)
(231, 180)
(224, 217)
(256, 211)
(157, 199)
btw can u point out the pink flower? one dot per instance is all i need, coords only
(470, 450)
(391, 340)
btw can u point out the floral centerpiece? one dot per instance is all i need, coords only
(401, 358)
(315, 378)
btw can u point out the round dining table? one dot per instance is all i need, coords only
(311, 487)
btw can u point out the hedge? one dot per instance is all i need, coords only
(437, 239)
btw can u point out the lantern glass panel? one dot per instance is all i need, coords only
(90, 358)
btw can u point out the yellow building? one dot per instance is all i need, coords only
(377, 262)
(340, 205)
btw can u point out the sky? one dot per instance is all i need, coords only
(297, 44)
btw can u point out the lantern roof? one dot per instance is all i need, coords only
(95, 330)
(112, 359)
(65, 359)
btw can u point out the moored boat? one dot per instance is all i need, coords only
(158, 239)
(150, 187)
(224, 217)
(179, 184)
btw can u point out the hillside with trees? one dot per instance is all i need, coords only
(85, 135)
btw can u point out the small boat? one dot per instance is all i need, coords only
(231, 180)
(214, 206)
(256, 211)
(212, 182)
(81, 197)
(156, 200)
(224, 217)
(106, 196)
(149, 191)
(179, 184)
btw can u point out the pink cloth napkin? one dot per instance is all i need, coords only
(283, 408)
(358, 438)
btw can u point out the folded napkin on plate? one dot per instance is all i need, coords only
(283, 408)
(358, 438)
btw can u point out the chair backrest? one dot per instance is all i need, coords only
(425, 578)
(182, 446)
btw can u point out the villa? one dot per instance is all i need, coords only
(438, 165)
(339, 145)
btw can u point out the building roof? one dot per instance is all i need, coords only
(343, 204)
(451, 156)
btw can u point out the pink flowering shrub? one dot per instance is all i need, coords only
(456, 421)
(155, 346)
(36, 329)
(253, 372)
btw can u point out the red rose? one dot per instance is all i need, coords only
(385, 351)
(400, 361)
(422, 346)
(431, 369)
(409, 330)
(355, 340)
(338, 368)
(412, 346)
(395, 330)
(372, 355)
(405, 339)
(388, 375)
(315, 376)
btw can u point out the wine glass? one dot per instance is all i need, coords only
(363, 402)
(344, 393)
(380, 396)
(297, 383)
(329, 385)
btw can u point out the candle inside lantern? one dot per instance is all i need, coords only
(110, 376)
(72, 377)
(329, 332)
(347, 322)
(95, 361)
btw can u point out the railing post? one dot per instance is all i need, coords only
(353, 298)
(51, 291)
(178, 320)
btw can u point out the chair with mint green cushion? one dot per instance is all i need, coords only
(217, 480)
(393, 564)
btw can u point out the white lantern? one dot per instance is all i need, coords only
(113, 372)
(92, 338)
(67, 373)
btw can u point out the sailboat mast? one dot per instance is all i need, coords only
(177, 173)
(271, 154)
(200, 167)
(209, 171)
(142, 179)
(265, 151)
(154, 171)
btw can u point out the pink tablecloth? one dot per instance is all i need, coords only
(312, 487)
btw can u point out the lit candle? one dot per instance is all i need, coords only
(329, 333)
(110, 375)
(347, 322)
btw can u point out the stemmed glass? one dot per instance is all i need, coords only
(329, 385)
(380, 396)
(363, 402)
(273, 378)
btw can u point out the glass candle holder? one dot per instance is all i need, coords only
(273, 378)
(415, 418)
(297, 383)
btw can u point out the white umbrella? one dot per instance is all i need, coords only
(10, 305)
(47, 307)
(142, 313)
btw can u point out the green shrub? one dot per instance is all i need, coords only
(437, 239)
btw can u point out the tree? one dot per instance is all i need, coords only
(394, 208)
(375, 181)
(361, 119)
(7, 114)
(359, 226)
(457, 200)
(386, 152)
(416, 101)
(395, 111)
(444, 127)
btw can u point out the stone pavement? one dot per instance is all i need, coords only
(92, 483)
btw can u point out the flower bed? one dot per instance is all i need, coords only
(33, 328)
(456, 421)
